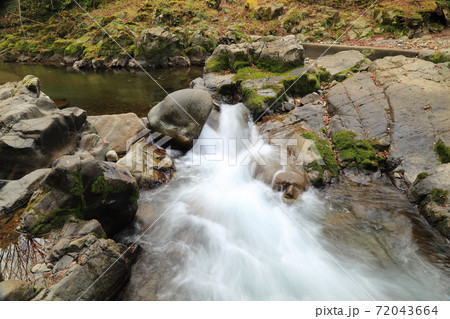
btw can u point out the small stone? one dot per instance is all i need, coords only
(288, 106)
(397, 175)
(111, 156)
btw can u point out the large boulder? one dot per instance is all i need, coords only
(181, 116)
(83, 265)
(33, 131)
(279, 55)
(83, 187)
(117, 129)
(156, 45)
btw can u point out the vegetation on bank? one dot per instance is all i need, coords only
(60, 27)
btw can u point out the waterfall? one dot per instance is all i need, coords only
(220, 233)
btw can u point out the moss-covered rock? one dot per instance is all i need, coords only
(326, 163)
(60, 45)
(302, 85)
(85, 188)
(356, 153)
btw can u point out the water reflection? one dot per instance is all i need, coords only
(105, 92)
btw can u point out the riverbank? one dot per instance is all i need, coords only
(161, 35)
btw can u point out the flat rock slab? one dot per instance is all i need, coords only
(357, 104)
(419, 98)
(341, 61)
(117, 129)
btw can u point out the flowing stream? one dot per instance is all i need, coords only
(218, 234)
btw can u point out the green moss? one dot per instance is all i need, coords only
(360, 153)
(218, 64)
(303, 85)
(341, 76)
(443, 152)
(78, 191)
(252, 73)
(324, 75)
(275, 66)
(135, 196)
(326, 153)
(439, 195)
(104, 187)
(422, 176)
(59, 46)
(75, 49)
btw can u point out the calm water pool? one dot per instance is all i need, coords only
(105, 92)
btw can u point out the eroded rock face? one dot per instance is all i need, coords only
(33, 131)
(83, 265)
(181, 116)
(117, 129)
(418, 96)
(357, 104)
(81, 186)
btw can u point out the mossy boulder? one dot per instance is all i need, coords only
(75, 48)
(85, 188)
(157, 42)
(277, 56)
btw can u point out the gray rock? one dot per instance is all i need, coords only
(181, 116)
(15, 290)
(93, 144)
(198, 84)
(418, 95)
(33, 132)
(89, 189)
(100, 272)
(341, 61)
(16, 194)
(357, 104)
(312, 98)
(118, 129)
(214, 82)
(149, 164)
(63, 263)
(288, 106)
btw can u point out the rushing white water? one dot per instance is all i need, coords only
(223, 235)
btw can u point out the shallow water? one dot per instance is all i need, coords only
(105, 92)
(215, 233)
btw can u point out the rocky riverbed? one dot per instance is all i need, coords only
(72, 181)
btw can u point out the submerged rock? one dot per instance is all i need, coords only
(33, 131)
(181, 116)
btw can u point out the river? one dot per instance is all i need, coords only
(216, 233)
(103, 92)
